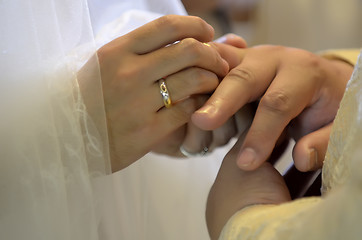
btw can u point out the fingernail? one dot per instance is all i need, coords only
(313, 158)
(221, 39)
(247, 157)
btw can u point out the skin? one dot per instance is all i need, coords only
(235, 189)
(130, 68)
(194, 139)
(298, 92)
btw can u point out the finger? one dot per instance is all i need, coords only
(231, 54)
(310, 150)
(222, 135)
(167, 120)
(244, 117)
(281, 103)
(242, 85)
(187, 53)
(167, 30)
(233, 40)
(196, 140)
(184, 84)
(172, 142)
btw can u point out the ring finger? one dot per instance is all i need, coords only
(183, 84)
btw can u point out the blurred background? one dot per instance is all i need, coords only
(308, 24)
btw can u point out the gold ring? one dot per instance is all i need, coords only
(164, 93)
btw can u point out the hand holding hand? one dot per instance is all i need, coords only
(197, 142)
(130, 69)
(296, 88)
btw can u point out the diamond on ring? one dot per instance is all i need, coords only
(186, 153)
(164, 93)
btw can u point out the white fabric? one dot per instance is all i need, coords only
(54, 156)
(338, 214)
(159, 197)
(104, 12)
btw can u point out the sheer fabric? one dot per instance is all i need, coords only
(54, 155)
(53, 140)
(157, 197)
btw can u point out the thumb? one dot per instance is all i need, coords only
(310, 150)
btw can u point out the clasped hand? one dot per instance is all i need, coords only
(171, 48)
(297, 92)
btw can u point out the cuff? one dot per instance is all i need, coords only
(347, 55)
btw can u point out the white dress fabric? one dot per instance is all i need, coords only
(158, 197)
(338, 213)
(55, 179)
(53, 154)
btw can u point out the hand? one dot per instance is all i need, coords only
(193, 139)
(130, 69)
(235, 189)
(295, 88)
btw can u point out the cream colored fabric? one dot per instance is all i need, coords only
(337, 215)
(348, 55)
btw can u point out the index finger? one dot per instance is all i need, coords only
(169, 29)
(245, 83)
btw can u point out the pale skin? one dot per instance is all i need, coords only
(298, 91)
(130, 68)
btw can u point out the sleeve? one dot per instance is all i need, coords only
(264, 221)
(336, 215)
(347, 55)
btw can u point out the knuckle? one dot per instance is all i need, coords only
(243, 75)
(276, 101)
(314, 62)
(203, 80)
(192, 48)
(168, 20)
(184, 110)
(198, 20)
(125, 79)
(173, 23)
(129, 73)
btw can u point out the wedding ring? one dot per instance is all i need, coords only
(164, 93)
(189, 154)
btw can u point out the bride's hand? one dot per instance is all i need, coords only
(131, 67)
(195, 141)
